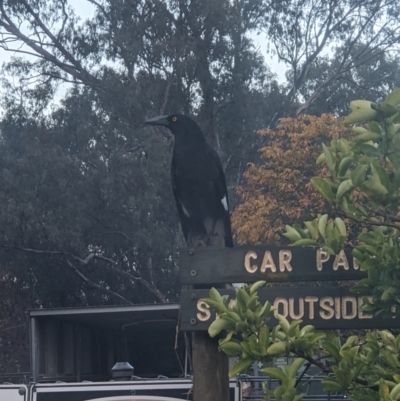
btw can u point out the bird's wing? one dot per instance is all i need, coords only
(221, 192)
(201, 195)
(183, 214)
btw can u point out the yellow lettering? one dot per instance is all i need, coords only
(341, 260)
(285, 256)
(284, 303)
(353, 303)
(292, 314)
(268, 263)
(203, 313)
(326, 304)
(247, 262)
(361, 314)
(355, 264)
(337, 307)
(311, 301)
(322, 257)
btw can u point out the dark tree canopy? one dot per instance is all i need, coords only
(87, 215)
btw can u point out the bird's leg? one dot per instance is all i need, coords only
(216, 240)
(215, 232)
(198, 240)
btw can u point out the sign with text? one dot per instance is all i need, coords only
(247, 264)
(323, 307)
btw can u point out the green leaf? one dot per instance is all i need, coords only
(331, 385)
(322, 187)
(360, 130)
(292, 234)
(219, 307)
(303, 233)
(264, 336)
(256, 286)
(284, 323)
(218, 325)
(340, 225)
(386, 109)
(381, 175)
(305, 242)
(367, 149)
(373, 187)
(358, 175)
(361, 111)
(387, 294)
(295, 366)
(368, 136)
(345, 186)
(393, 98)
(299, 397)
(394, 394)
(369, 238)
(369, 249)
(321, 158)
(240, 366)
(293, 327)
(231, 348)
(375, 127)
(369, 264)
(330, 160)
(322, 224)
(344, 165)
(275, 373)
(276, 349)
(265, 309)
(215, 295)
(312, 229)
(331, 349)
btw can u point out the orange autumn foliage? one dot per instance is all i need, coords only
(278, 191)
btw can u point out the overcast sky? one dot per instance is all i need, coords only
(85, 10)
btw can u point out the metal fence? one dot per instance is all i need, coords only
(252, 389)
(15, 378)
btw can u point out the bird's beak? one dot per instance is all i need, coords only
(159, 120)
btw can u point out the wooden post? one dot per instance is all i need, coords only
(210, 369)
(210, 366)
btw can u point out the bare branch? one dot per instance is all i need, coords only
(151, 286)
(103, 10)
(96, 286)
(322, 22)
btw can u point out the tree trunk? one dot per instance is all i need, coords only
(210, 369)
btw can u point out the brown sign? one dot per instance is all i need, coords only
(247, 264)
(323, 307)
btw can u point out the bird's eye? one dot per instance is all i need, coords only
(174, 119)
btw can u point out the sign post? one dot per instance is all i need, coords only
(247, 264)
(323, 307)
(210, 366)
(210, 369)
(326, 308)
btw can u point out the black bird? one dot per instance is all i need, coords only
(198, 183)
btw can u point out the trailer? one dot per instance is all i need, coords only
(76, 354)
(149, 390)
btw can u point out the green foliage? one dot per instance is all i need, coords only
(363, 368)
(364, 187)
(247, 335)
(330, 236)
(286, 376)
